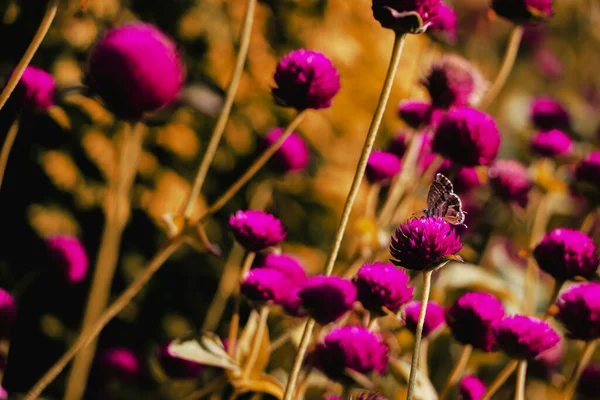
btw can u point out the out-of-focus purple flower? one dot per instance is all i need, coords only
(467, 137)
(548, 362)
(286, 264)
(434, 318)
(68, 254)
(552, 143)
(256, 230)
(567, 253)
(406, 16)
(510, 181)
(454, 82)
(416, 114)
(119, 71)
(547, 113)
(470, 319)
(523, 11)
(399, 144)
(327, 298)
(265, 285)
(382, 166)
(350, 347)
(589, 382)
(293, 155)
(120, 363)
(176, 367)
(381, 285)
(587, 172)
(549, 63)
(444, 26)
(8, 314)
(423, 243)
(465, 179)
(470, 388)
(524, 338)
(579, 311)
(36, 89)
(3, 394)
(292, 304)
(369, 396)
(305, 79)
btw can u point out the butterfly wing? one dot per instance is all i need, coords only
(442, 202)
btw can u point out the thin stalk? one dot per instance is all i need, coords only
(424, 356)
(37, 40)
(219, 128)
(553, 298)
(414, 366)
(500, 379)
(521, 378)
(234, 324)
(532, 272)
(7, 146)
(87, 336)
(586, 356)
(372, 199)
(354, 189)
(118, 205)
(258, 338)
(457, 371)
(589, 222)
(510, 57)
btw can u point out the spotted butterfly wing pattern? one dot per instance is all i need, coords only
(443, 202)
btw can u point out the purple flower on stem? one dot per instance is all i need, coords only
(121, 363)
(424, 243)
(547, 113)
(36, 89)
(589, 382)
(567, 253)
(467, 137)
(382, 167)
(434, 319)
(305, 79)
(381, 285)
(523, 11)
(510, 181)
(470, 319)
(257, 230)
(287, 265)
(292, 304)
(293, 155)
(579, 311)
(351, 347)
(8, 314)
(177, 367)
(444, 26)
(470, 388)
(587, 173)
(327, 298)
(68, 254)
(263, 285)
(119, 71)
(416, 114)
(552, 143)
(524, 338)
(405, 16)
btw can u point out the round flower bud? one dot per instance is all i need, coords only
(417, 114)
(286, 264)
(405, 16)
(381, 285)
(510, 181)
(523, 11)
(305, 79)
(434, 317)
(327, 298)
(120, 363)
(552, 143)
(293, 155)
(292, 304)
(587, 174)
(176, 367)
(524, 338)
(69, 256)
(444, 26)
(579, 311)
(382, 167)
(119, 71)
(547, 113)
(589, 383)
(36, 89)
(263, 285)
(256, 230)
(470, 388)
(398, 145)
(8, 314)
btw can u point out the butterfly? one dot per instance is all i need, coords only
(443, 202)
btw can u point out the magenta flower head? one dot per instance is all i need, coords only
(589, 383)
(350, 347)
(567, 253)
(287, 265)
(36, 89)
(467, 137)
(406, 16)
(524, 338)
(292, 304)
(470, 388)
(263, 285)
(579, 311)
(523, 11)
(547, 113)
(256, 230)
(454, 82)
(424, 243)
(381, 285)
(293, 155)
(8, 314)
(69, 256)
(119, 71)
(369, 396)
(305, 79)
(176, 367)
(587, 174)
(434, 318)
(552, 143)
(327, 298)
(510, 181)
(444, 26)
(382, 167)
(398, 145)
(416, 114)
(120, 363)
(470, 319)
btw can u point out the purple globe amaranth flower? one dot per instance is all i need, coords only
(470, 319)
(399, 144)
(121, 363)
(293, 155)
(36, 89)
(292, 304)
(382, 166)
(589, 382)
(524, 338)
(444, 26)
(567, 253)
(434, 317)
(523, 11)
(70, 257)
(176, 367)
(417, 114)
(263, 285)
(305, 79)
(3, 393)
(369, 396)
(381, 285)
(327, 298)
(119, 71)
(548, 362)
(286, 264)
(470, 388)
(8, 314)
(587, 173)
(454, 82)
(510, 181)
(424, 243)
(406, 16)
(350, 347)
(257, 230)
(467, 137)
(552, 143)
(547, 113)
(579, 311)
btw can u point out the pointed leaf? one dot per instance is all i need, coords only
(208, 350)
